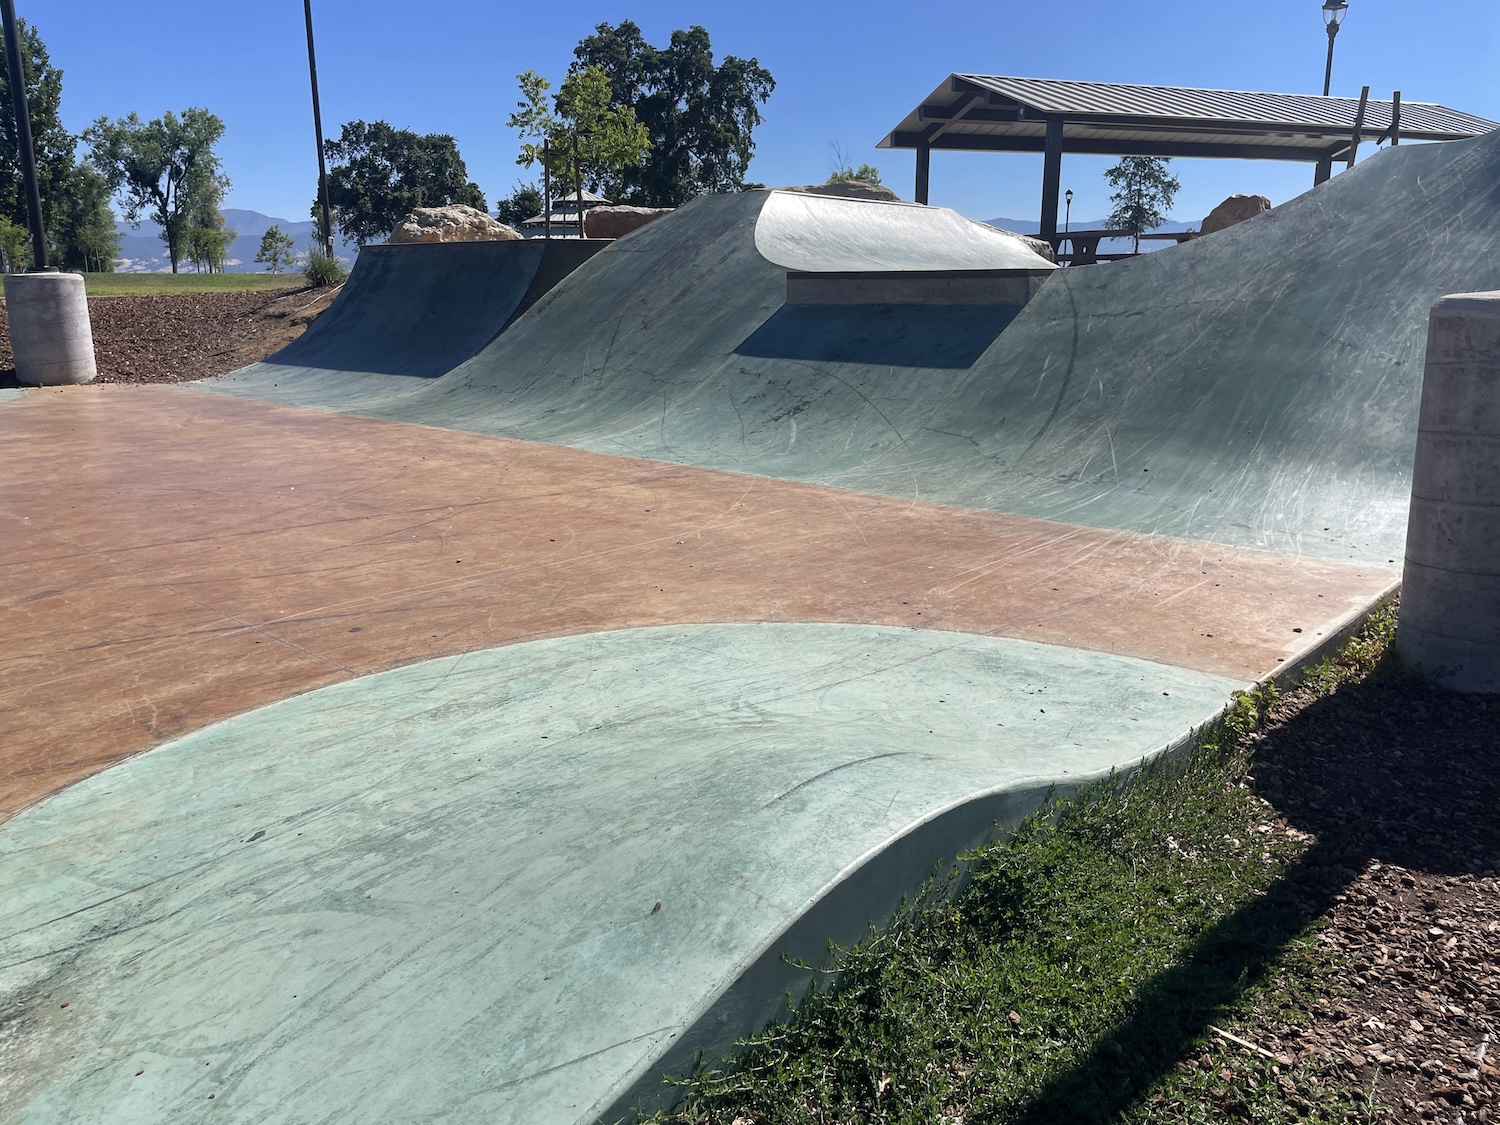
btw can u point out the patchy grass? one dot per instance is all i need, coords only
(139, 284)
(1097, 966)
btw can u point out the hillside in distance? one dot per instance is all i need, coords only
(143, 251)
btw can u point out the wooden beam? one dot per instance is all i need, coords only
(1359, 124)
(978, 142)
(1051, 178)
(1393, 130)
(924, 173)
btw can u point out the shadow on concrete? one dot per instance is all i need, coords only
(1395, 771)
(938, 336)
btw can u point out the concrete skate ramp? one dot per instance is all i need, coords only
(1255, 387)
(422, 309)
(826, 234)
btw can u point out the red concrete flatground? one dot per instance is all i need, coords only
(170, 558)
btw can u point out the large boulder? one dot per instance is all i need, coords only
(454, 223)
(1035, 245)
(850, 189)
(618, 221)
(1235, 209)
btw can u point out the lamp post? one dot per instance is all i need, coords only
(1068, 212)
(312, 70)
(1333, 15)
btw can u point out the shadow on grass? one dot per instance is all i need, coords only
(1390, 770)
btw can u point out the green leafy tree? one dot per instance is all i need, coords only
(608, 139)
(72, 208)
(15, 247)
(208, 239)
(699, 117)
(378, 175)
(523, 203)
(164, 169)
(87, 238)
(1144, 191)
(277, 248)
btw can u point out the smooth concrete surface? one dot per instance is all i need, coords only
(1258, 388)
(421, 309)
(1450, 603)
(820, 233)
(51, 338)
(497, 887)
(916, 287)
(170, 559)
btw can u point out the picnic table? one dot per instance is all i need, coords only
(1085, 244)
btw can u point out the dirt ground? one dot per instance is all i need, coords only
(1400, 784)
(170, 338)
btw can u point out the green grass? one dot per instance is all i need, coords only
(138, 284)
(1079, 970)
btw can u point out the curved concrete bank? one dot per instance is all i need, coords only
(1256, 387)
(422, 309)
(497, 887)
(820, 233)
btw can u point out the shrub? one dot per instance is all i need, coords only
(323, 269)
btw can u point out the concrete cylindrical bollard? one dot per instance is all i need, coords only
(50, 334)
(1450, 594)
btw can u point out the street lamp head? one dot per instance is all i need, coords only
(1069, 194)
(1334, 12)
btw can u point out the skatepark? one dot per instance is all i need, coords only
(523, 665)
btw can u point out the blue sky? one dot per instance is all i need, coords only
(845, 72)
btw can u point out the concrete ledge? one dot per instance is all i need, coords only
(916, 287)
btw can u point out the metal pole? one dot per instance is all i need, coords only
(578, 180)
(312, 70)
(546, 187)
(23, 137)
(1333, 30)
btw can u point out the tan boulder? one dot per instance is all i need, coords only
(618, 221)
(850, 189)
(454, 223)
(1035, 245)
(1235, 209)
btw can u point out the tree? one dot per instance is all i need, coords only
(608, 139)
(523, 203)
(378, 175)
(843, 172)
(1144, 191)
(277, 248)
(86, 237)
(72, 205)
(164, 168)
(699, 117)
(15, 247)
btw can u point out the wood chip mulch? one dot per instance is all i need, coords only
(171, 338)
(1400, 784)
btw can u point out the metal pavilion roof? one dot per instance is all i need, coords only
(1002, 114)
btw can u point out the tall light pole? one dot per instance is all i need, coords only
(312, 69)
(23, 135)
(1333, 15)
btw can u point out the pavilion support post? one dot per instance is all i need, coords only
(1051, 179)
(924, 172)
(1359, 124)
(1324, 171)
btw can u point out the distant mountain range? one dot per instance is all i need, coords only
(1106, 246)
(143, 251)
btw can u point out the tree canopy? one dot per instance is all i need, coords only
(165, 169)
(378, 175)
(524, 202)
(75, 201)
(1144, 191)
(699, 118)
(608, 139)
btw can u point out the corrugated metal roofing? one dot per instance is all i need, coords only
(1123, 112)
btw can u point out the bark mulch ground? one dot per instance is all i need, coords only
(171, 338)
(1400, 784)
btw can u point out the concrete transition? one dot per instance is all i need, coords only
(1450, 601)
(50, 334)
(513, 712)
